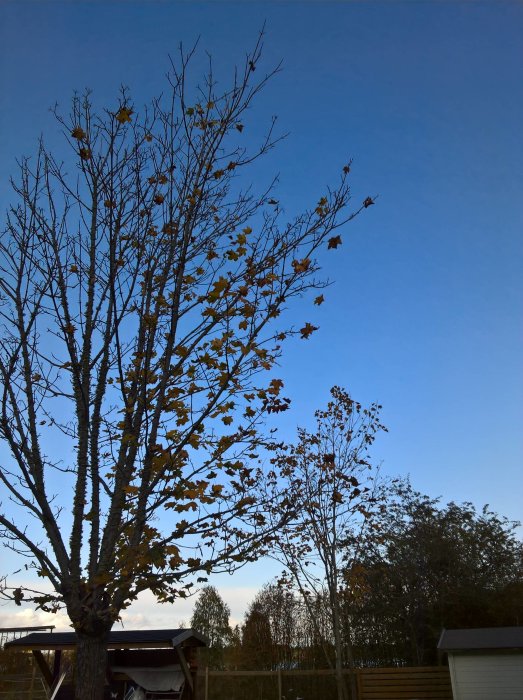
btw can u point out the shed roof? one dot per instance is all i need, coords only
(118, 639)
(481, 638)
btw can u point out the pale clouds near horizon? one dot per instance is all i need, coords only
(145, 613)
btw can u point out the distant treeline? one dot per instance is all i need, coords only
(427, 567)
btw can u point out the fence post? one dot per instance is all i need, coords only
(359, 683)
(31, 689)
(206, 691)
(279, 684)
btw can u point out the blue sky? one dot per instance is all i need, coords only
(425, 314)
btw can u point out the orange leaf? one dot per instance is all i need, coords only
(307, 330)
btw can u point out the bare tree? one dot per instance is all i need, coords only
(141, 287)
(329, 478)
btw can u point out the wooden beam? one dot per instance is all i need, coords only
(56, 663)
(44, 668)
(185, 668)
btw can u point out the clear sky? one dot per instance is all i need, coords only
(426, 311)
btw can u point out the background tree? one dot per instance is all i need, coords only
(281, 614)
(434, 567)
(141, 287)
(257, 641)
(211, 618)
(332, 484)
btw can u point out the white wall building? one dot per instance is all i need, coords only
(485, 663)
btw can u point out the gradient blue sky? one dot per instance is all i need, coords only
(426, 312)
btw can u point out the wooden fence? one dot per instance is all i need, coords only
(22, 686)
(413, 683)
(405, 683)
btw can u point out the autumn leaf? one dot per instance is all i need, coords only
(73, 268)
(275, 386)
(346, 169)
(85, 153)
(334, 242)
(319, 300)
(148, 137)
(307, 330)
(78, 133)
(239, 127)
(158, 198)
(368, 202)
(272, 201)
(301, 265)
(337, 497)
(124, 115)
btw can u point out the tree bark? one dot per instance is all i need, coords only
(91, 664)
(340, 681)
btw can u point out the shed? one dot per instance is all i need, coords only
(485, 663)
(162, 662)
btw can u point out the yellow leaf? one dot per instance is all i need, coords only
(301, 265)
(124, 115)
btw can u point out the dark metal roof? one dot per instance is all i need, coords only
(481, 638)
(118, 639)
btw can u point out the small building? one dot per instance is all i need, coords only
(162, 663)
(485, 663)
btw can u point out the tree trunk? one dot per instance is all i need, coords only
(340, 681)
(91, 664)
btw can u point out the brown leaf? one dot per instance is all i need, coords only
(78, 133)
(307, 330)
(334, 242)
